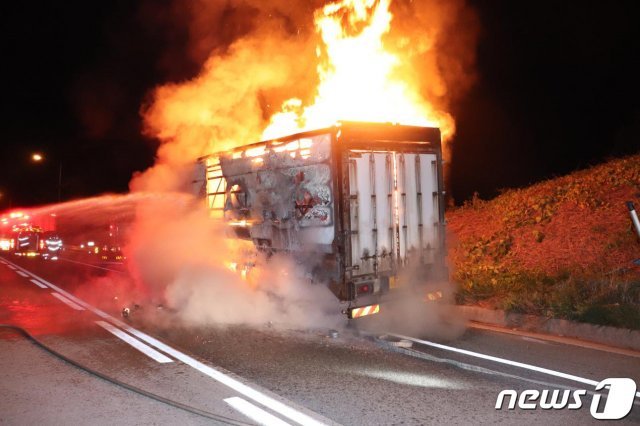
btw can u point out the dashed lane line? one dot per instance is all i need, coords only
(22, 274)
(68, 302)
(135, 343)
(281, 408)
(256, 414)
(227, 380)
(38, 283)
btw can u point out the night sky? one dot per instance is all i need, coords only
(557, 89)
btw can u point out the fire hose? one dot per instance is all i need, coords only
(193, 410)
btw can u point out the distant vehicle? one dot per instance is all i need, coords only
(25, 233)
(7, 241)
(111, 254)
(358, 204)
(28, 242)
(9, 228)
(99, 244)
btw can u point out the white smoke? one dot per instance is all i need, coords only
(182, 258)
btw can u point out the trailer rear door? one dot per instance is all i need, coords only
(393, 210)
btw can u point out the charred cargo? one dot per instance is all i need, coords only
(357, 203)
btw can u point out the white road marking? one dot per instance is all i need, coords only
(11, 267)
(502, 361)
(234, 384)
(22, 274)
(256, 414)
(148, 351)
(38, 283)
(67, 301)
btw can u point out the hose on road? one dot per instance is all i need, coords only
(21, 331)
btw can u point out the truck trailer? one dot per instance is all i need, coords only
(359, 205)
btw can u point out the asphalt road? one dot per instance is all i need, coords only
(264, 375)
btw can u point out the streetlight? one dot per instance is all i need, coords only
(37, 157)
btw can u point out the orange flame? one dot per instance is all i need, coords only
(360, 79)
(367, 70)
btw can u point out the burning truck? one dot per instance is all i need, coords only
(359, 205)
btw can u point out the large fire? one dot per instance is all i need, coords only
(398, 61)
(360, 79)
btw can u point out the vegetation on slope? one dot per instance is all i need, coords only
(562, 248)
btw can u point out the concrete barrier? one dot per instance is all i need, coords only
(620, 337)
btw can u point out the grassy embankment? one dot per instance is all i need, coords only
(561, 248)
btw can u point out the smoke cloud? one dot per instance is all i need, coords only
(183, 260)
(258, 55)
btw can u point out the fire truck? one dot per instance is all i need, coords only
(359, 205)
(27, 233)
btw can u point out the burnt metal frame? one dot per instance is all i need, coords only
(346, 136)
